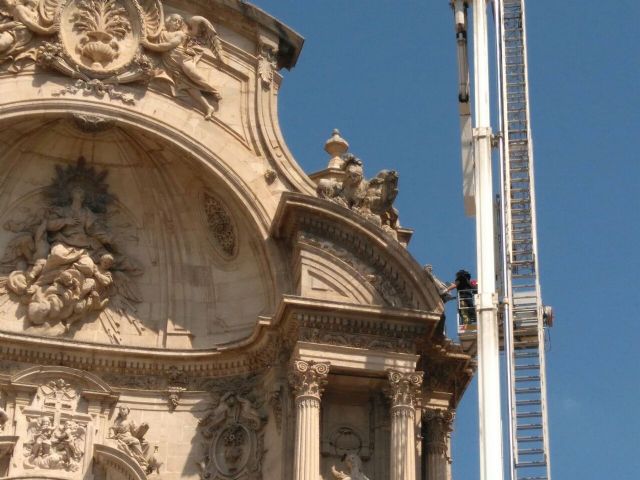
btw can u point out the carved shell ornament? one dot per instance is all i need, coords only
(112, 42)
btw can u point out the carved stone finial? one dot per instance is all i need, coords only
(308, 378)
(336, 147)
(437, 426)
(404, 388)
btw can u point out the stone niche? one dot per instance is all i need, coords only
(110, 235)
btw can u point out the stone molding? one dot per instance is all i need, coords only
(395, 274)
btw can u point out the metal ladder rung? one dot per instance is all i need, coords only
(541, 463)
(529, 439)
(530, 426)
(530, 451)
(529, 415)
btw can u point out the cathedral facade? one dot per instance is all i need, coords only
(178, 299)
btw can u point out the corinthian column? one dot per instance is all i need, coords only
(404, 388)
(436, 426)
(307, 380)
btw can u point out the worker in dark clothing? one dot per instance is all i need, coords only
(466, 288)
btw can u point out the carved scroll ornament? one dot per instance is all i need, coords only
(112, 42)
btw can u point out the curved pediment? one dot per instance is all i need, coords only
(381, 262)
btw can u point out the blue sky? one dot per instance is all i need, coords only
(383, 72)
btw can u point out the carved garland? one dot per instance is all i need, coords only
(106, 43)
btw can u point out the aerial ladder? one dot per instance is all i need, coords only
(522, 318)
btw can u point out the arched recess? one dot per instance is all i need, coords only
(112, 464)
(193, 295)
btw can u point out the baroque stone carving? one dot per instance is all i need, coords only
(98, 89)
(308, 378)
(173, 397)
(64, 262)
(373, 199)
(55, 432)
(3, 419)
(50, 447)
(129, 438)
(266, 65)
(89, 123)
(354, 466)
(437, 427)
(235, 439)
(220, 225)
(404, 389)
(105, 41)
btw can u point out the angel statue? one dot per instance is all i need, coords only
(183, 45)
(19, 20)
(354, 464)
(64, 262)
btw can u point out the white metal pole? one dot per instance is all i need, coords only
(486, 301)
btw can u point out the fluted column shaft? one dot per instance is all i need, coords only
(307, 380)
(437, 429)
(403, 391)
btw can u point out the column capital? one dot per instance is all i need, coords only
(404, 388)
(308, 378)
(437, 427)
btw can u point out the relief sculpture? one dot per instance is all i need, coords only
(55, 431)
(234, 433)
(64, 262)
(54, 447)
(105, 43)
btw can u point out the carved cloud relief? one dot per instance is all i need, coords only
(64, 262)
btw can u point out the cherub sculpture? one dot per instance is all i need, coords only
(54, 447)
(354, 464)
(182, 44)
(19, 20)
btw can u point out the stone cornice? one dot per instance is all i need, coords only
(326, 220)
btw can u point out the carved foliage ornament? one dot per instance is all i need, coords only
(437, 427)
(221, 226)
(234, 439)
(65, 264)
(404, 388)
(308, 378)
(112, 42)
